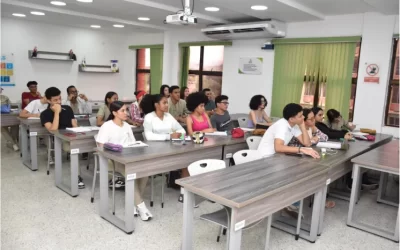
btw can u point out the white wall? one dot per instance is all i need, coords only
(98, 47)
(240, 88)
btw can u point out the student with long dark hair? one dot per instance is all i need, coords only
(198, 120)
(331, 133)
(104, 111)
(117, 131)
(336, 121)
(184, 93)
(158, 124)
(164, 90)
(257, 114)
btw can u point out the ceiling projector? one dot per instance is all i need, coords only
(186, 17)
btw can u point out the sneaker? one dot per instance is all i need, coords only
(119, 183)
(80, 183)
(15, 147)
(144, 213)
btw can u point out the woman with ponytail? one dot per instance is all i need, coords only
(117, 131)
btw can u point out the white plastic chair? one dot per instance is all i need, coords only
(93, 121)
(253, 142)
(246, 155)
(243, 122)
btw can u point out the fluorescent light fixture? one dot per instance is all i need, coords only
(58, 3)
(143, 19)
(259, 7)
(85, 1)
(95, 26)
(37, 13)
(19, 15)
(212, 9)
(118, 25)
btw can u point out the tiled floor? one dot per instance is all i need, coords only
(37, 215)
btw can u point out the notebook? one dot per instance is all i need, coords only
(218, 133)
(329, 144)
(136, 144)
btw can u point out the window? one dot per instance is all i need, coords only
(392, 104)
(143, 70)
(314, 88)
(205, 68)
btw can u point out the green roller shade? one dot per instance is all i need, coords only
(207, 43)
(344, 39)
(185, 55)
(154, 46)
(156, 67)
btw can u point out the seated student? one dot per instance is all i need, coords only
(136, 113)
(58, 116)
(331, 133)
(257, 115)
(184, 93)
(78, 102)
(158, 124)
(10, 136)
(116, 130)
(34, 108)
(177, 106)
(221, 120)
(210, 105)
(198, 120)
(336, 121)
(33, 94)
(164, 90)
(104, 111)
(278, 136)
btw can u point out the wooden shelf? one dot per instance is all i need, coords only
(52, 56)
(96, 69)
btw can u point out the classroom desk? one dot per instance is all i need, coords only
(35, 129)
(159, 157)
(8, 120)
(75, 144)
(253, 191)
(29, 152)
(384, 159)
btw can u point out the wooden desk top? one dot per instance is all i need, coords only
(244, 184)
(158, 149)
(385, 157)
(73, 136)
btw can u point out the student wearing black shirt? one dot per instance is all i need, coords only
(58, 116)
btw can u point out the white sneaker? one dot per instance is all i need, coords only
(144, 213)
(15, 147)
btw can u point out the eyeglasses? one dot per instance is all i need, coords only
(226, 103)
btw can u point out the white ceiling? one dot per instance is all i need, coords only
(109, 12)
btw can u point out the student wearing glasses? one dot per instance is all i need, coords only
(78, 102)
(336, 121)
(33, 94)
(221, 120)
(159, 125)
(117, 131)
(257, 115)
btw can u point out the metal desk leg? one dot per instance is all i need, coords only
(299, 219)
(319, 199)
(74, 164)
(188, 212)
(126, 225)
(269, 222)
(322, 212)
(33, 148)
(353, 197)
(26, 159)
(234, 236)
(73, 189)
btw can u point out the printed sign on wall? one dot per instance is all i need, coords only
(250, 65)
(7, 70)
(371, 73)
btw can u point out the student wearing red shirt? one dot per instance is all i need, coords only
(33, 94)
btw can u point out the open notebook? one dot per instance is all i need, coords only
(136, 144)
(83, 129)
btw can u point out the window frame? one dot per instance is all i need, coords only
(200, 72)
(392, 81)
(138, 71)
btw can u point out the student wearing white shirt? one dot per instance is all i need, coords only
(158, 124)
(277, 137)
(117, 131)
(34, 108)
(78, 102)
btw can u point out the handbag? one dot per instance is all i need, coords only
(5, 108)
(237, 133)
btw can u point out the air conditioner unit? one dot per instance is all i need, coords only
(266, 29)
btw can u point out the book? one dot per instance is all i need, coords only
(329, 144)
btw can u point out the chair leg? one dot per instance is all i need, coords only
(48, 154)
(220, 233)
(113, 189)
(299, 220)
(94, 178)
(164, 176)
(152, 190)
